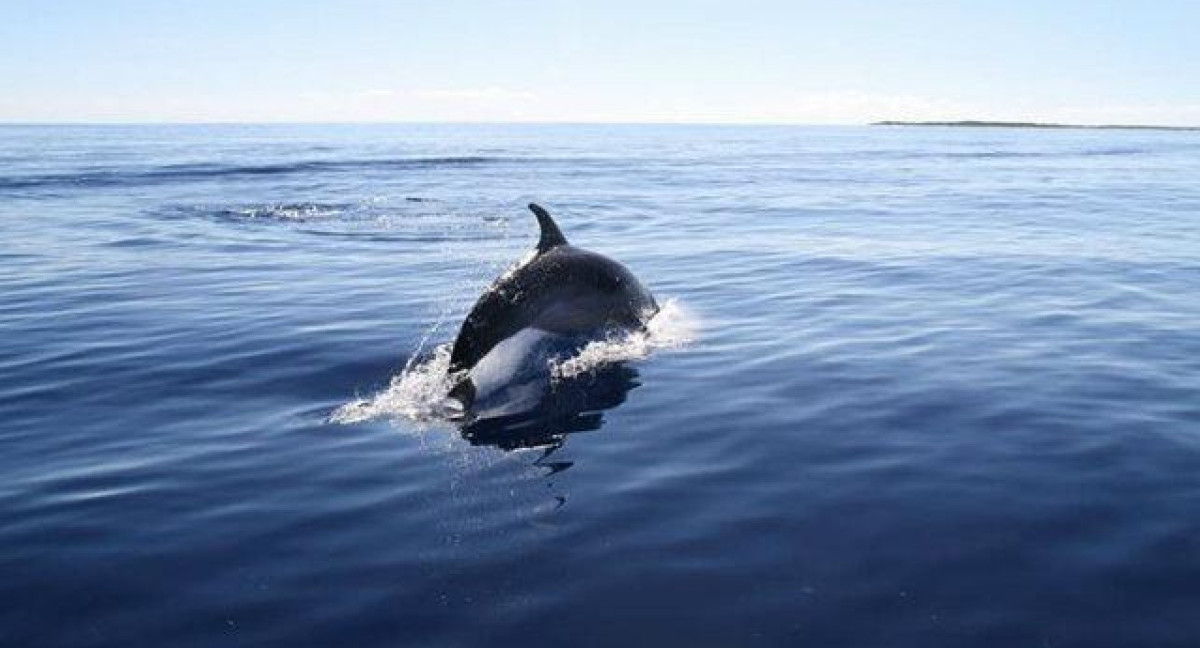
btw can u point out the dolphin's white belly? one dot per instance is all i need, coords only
(515, 374)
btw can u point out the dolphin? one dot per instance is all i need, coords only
(559, 299)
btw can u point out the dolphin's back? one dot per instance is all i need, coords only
(563, 290)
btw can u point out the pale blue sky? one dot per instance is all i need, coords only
(615, 60)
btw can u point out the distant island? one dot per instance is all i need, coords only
(1006, 124)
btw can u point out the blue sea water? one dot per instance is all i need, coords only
(941, 387)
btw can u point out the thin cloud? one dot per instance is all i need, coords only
(490, 93)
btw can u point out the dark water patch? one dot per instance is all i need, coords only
(138, 242)
(375, 221)
(17, 256)
(198, 172)
(1114, 151)
(445, 235)
(1001, 154)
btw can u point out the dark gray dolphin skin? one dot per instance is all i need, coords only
(564, 290)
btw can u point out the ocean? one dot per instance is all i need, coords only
(920, 386)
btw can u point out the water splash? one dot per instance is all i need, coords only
(290, 211)
(512, 270)
(670, 328)
(418, 393)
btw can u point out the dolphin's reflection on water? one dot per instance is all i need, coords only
(561, 408)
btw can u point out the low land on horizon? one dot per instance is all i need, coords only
(1008, 124)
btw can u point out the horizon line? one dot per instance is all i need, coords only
(958, 123)
(419, 122)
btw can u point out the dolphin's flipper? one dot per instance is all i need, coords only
(463, 392)
(551, 235)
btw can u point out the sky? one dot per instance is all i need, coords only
(737, 61)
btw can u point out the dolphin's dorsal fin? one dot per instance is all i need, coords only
(551, 235)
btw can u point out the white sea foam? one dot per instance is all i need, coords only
(294, 211)
(418, 393)
(670, 328)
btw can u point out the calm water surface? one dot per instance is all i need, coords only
(945, 389)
